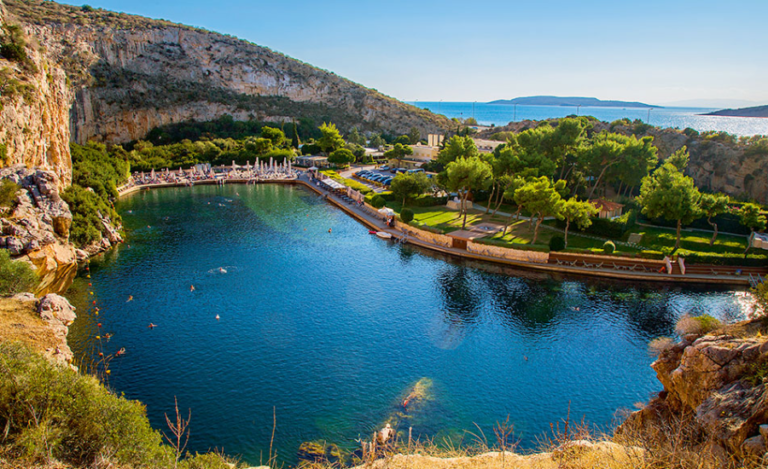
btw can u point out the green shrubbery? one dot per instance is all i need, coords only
(375, 200)
(698, 325)
(8, 191)
(52, 413)
(96, 174)
(723, 258)
(406, 215)
(609, 247)
(609, 228)
(15, 277)
(556, 243)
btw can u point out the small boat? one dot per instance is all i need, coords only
(372, 232)
(383, 235)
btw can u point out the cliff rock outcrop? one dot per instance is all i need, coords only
(716, 383)
(36, 228)
(131, 74)
(35, 102)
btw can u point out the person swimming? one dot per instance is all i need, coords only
(120, 352)
(217, 317)
(130, 298)
(152, 326)
(191, 288)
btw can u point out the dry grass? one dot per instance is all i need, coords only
(19, 321)
(660, 345)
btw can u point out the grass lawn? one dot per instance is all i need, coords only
(659, 238)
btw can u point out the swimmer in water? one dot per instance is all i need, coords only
(152, 326)
(222, 270)
(191, 288)
(329, 230)
(217, 317)
(130, 298)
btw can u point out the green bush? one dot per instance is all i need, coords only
(609, 247)
(406, 215)
(723, 258)
(698, 325)
(8, 191)
(51, 412)
(15, 276)
(377, 201)
(556, 243)
(609, 228)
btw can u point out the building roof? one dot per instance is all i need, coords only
(606, 205)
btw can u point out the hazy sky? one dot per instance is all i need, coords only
(650, 51)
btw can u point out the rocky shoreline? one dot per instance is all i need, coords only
(36, 229)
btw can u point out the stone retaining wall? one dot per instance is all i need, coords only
(507, 253)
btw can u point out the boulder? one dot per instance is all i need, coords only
(14, 246)
(81, 255)
(53, 306)
(734, 412)
(754, 446)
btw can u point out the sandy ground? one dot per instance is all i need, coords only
(19, 321)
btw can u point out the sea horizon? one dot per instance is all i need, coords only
(498, 115)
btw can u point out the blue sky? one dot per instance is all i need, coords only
(651, 51)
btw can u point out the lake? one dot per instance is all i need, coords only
(675, 117)
(332, 328)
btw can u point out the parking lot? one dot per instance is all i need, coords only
(378, 179)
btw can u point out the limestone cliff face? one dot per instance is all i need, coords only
(34, 123)
(132, 74)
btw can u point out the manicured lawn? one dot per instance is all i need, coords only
(440, 217)
(659, 238)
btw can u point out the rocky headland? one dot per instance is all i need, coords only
(714, 398)
(754, 111)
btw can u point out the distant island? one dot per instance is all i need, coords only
(756, 111)
(570, 101)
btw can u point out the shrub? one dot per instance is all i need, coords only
(8, 191)
(660, 345)
(609, 247)
(406, 215)
(377, 201)
(79, 420)
(556, 243)
(698, 325)
(15, 277)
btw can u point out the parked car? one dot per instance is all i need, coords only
(384, 168)
(392, 170)
(414, 171)
(400, 170)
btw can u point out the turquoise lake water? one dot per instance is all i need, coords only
(677, 117)
(332, 329)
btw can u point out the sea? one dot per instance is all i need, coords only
(667, 117)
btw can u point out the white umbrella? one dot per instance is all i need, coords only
(387, 211)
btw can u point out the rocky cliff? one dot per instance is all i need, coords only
(717, 385)
(36, 228)
(131, 74)
(735, 168)
(35, 102)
